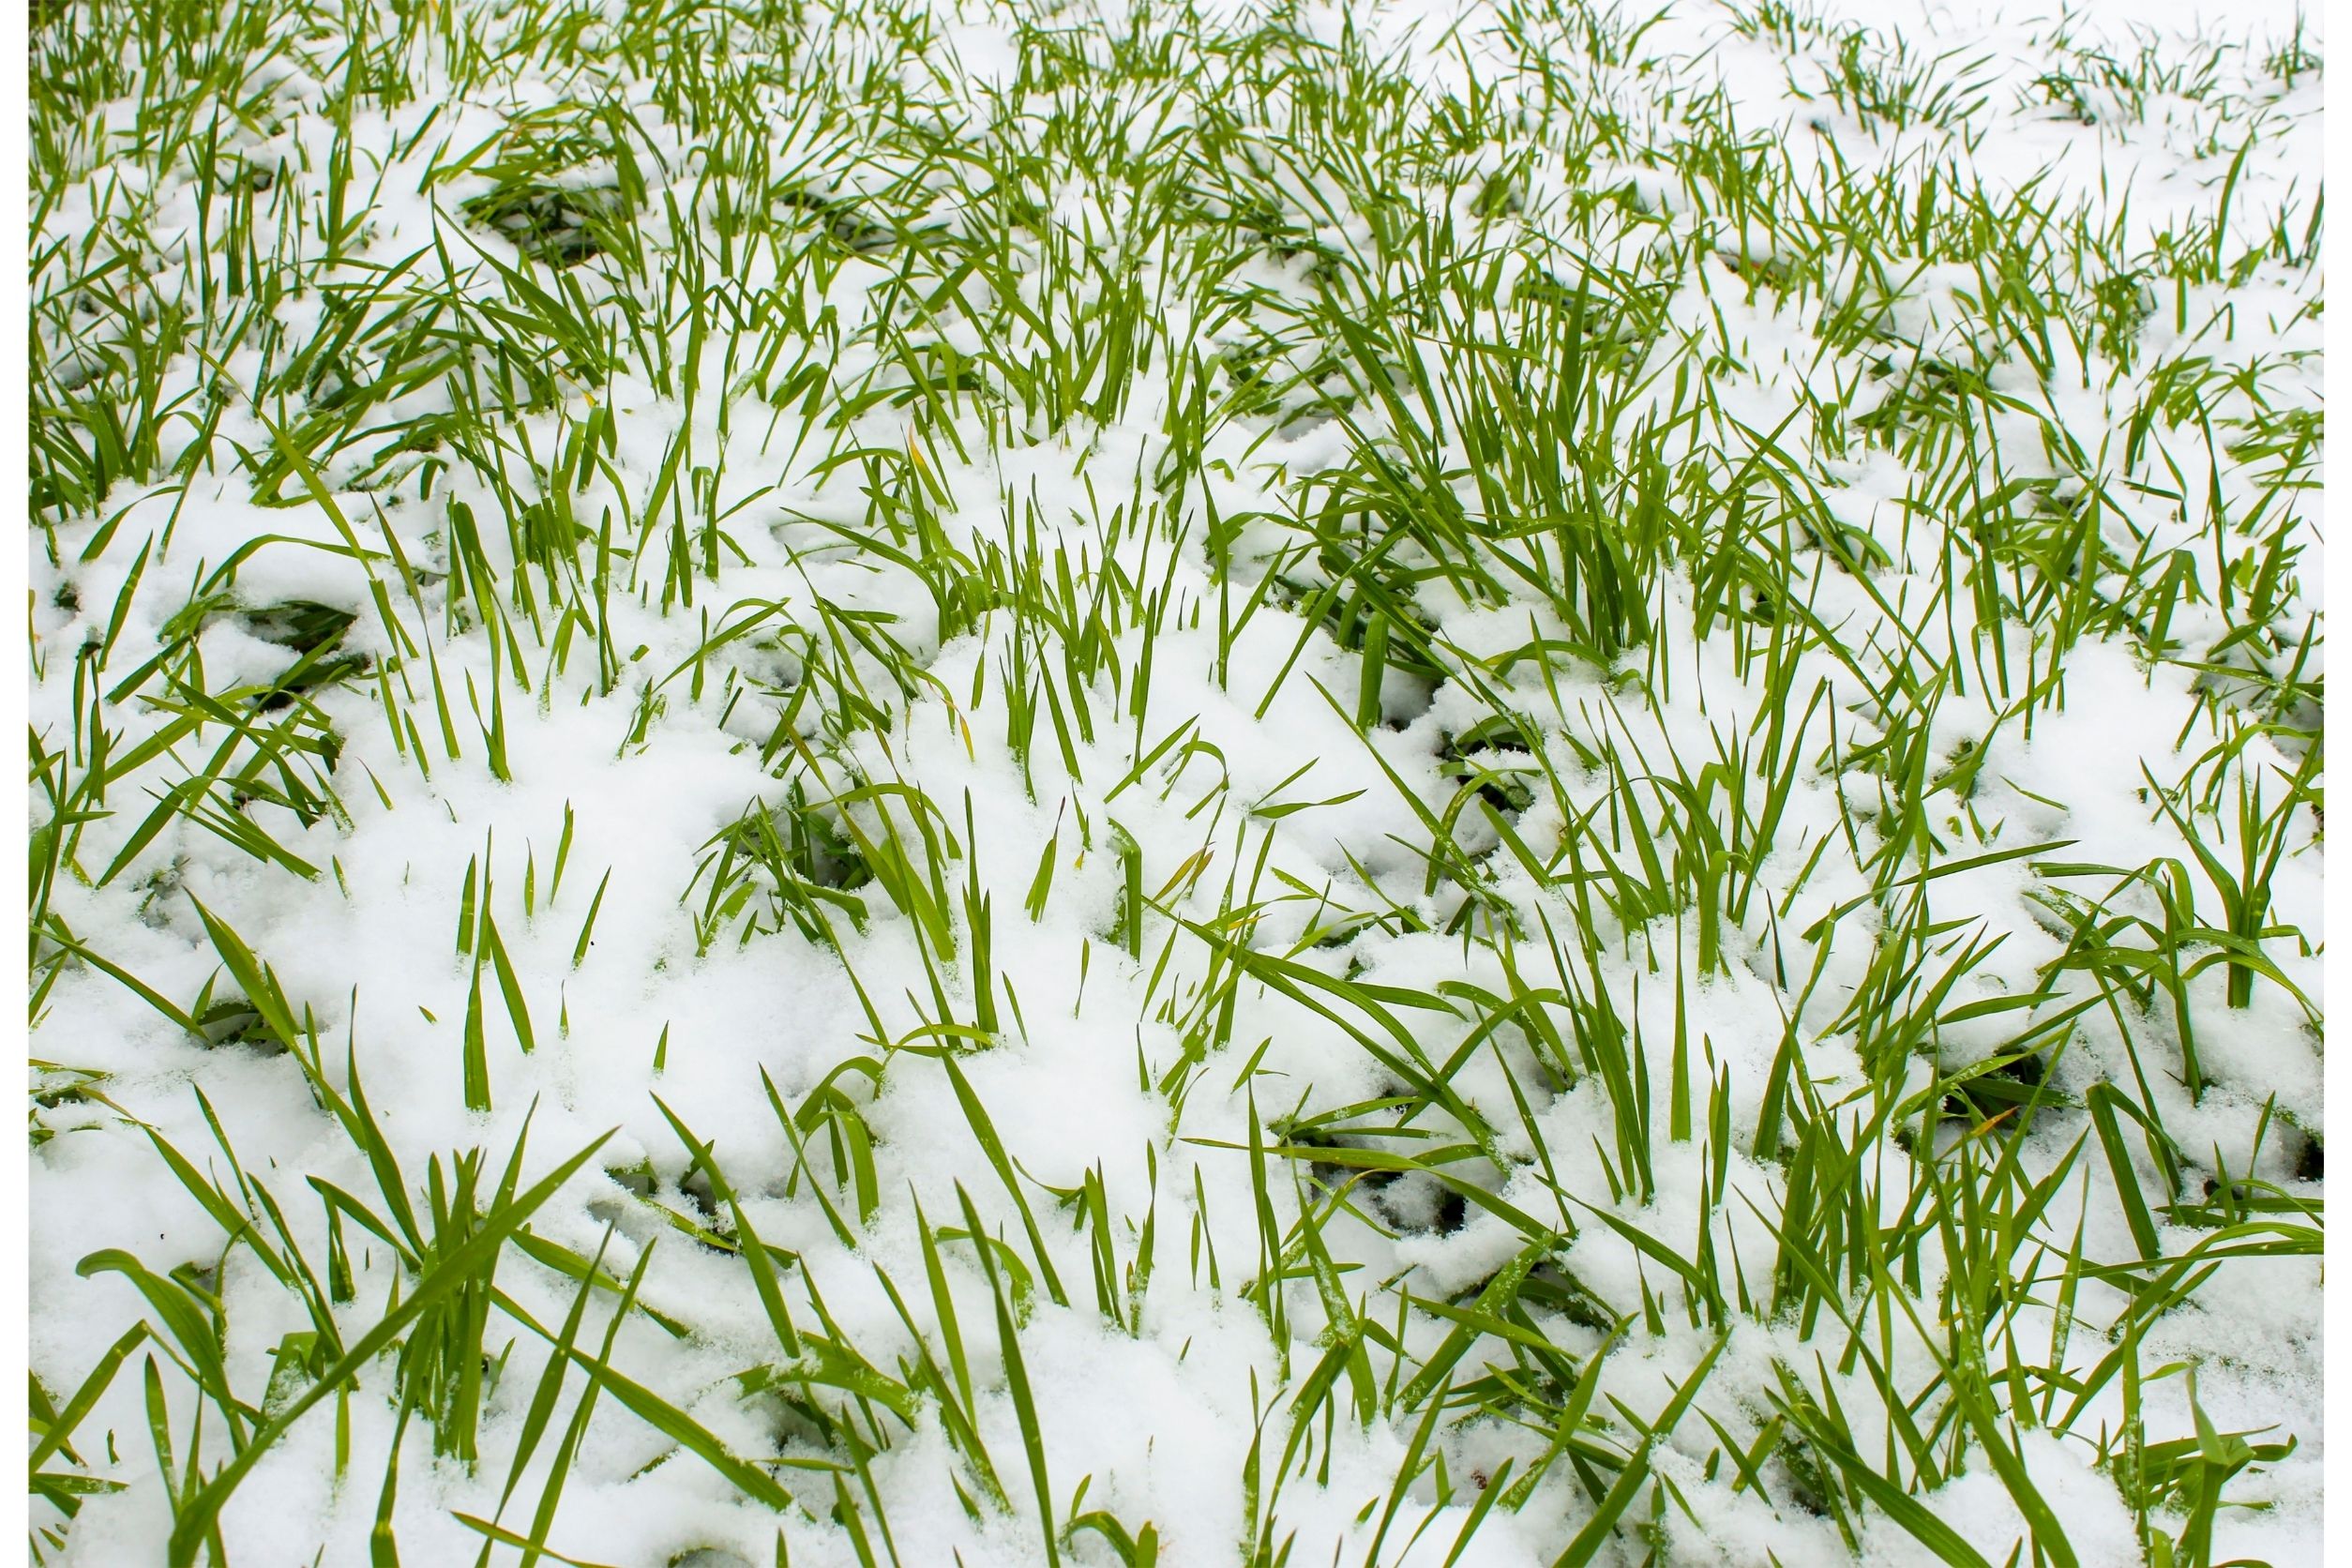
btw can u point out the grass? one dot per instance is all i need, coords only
(1598, 804)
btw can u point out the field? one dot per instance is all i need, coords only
(1472, 782)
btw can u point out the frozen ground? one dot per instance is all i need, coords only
(1283, 785)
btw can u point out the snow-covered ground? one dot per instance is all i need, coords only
(1004, 783)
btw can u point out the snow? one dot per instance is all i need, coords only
(1114, 1067)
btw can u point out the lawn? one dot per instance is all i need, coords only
(1473, 783)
